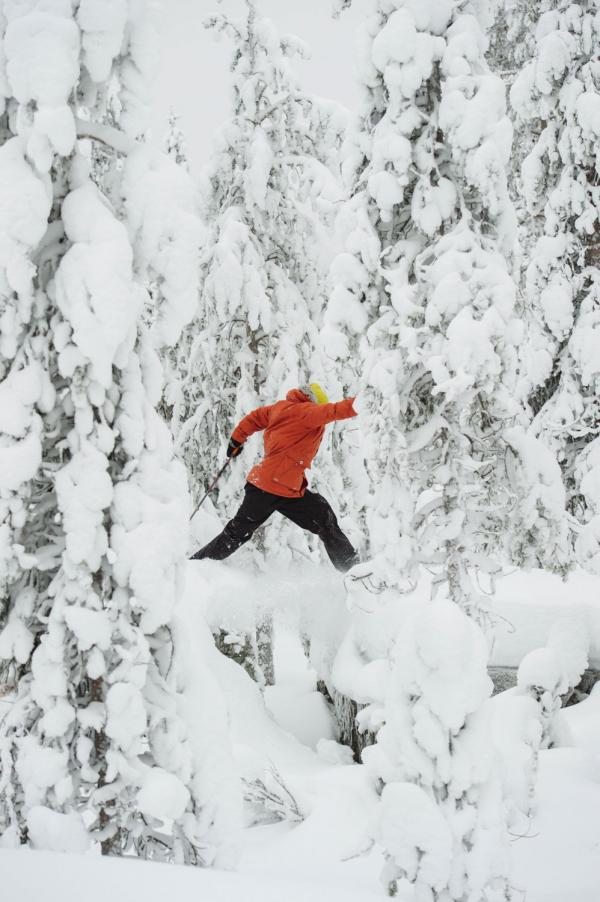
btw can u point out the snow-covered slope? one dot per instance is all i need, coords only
(556, 860)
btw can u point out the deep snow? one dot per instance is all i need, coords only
(328, 856)
(557, 860)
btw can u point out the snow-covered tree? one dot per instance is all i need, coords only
(94, 506)
(265, 194)
(560, 89)
(424, 299)
(160, 200)
(511, 35)
(539, 533)
(266, 197)
(441, 819)
(424, 292)
(511, 46)
(175, 143)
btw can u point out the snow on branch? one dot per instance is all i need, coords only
(274, 796)
(106, 134)
(339, 6)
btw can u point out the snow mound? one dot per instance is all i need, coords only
(163, 795)
(56, 832)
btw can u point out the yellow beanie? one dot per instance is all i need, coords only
(318, 393)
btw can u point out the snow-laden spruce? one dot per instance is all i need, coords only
(94, 505)
(424, 297)
(267, 194)
(558, 93)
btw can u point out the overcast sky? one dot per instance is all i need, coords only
(194, 73)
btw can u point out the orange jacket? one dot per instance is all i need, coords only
(293, 432)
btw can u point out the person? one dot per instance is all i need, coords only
(293, 430)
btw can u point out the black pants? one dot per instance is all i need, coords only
(311, 512)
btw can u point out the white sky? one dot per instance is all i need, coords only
(194, 75)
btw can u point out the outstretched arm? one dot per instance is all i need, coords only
(255, 421)
(321, 414)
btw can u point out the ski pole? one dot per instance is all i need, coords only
(211, 486)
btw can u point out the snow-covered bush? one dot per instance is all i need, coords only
(441, 819)
(549, 674)
(272, 799)
(527, 719)
(94, 736)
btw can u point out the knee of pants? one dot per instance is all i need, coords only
(328, 520)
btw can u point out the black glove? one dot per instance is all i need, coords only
(234, 448)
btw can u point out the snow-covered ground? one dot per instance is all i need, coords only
(30, 876)
(328, 854)
(558, 860)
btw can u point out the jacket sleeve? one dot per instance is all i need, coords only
(321, 414)
(255, 421)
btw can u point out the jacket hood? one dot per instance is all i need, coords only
(296, 395)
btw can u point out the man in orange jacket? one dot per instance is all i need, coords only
(293, 430)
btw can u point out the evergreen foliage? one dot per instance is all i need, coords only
(560, 89)
(424, 293)
(94, 505)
